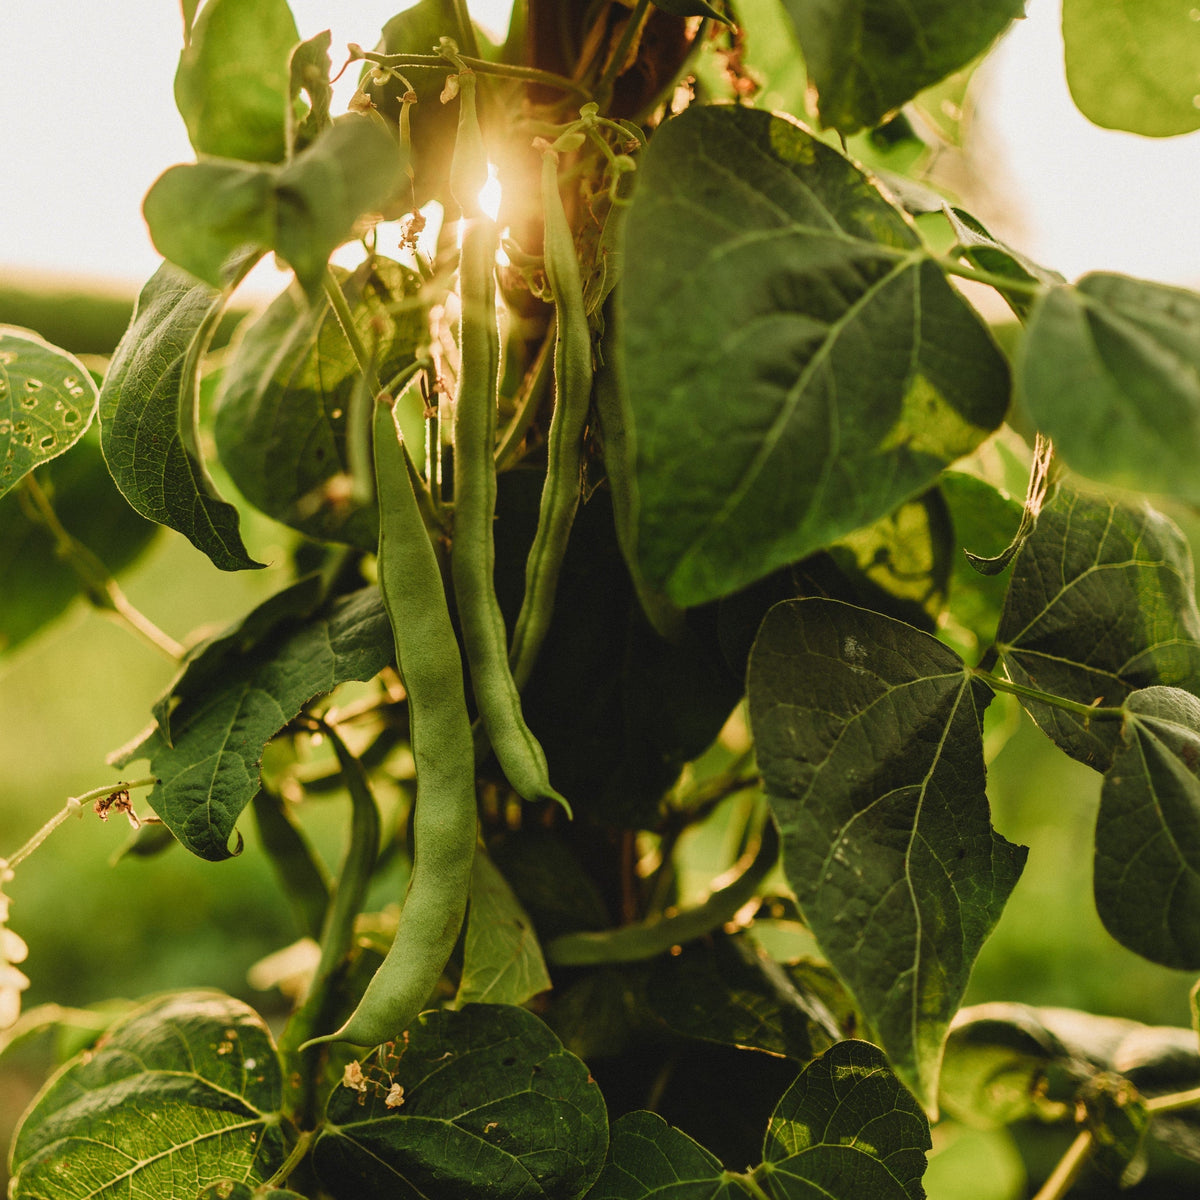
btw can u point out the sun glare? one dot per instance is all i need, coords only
(489, 194)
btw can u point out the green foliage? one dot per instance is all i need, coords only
(659, 507)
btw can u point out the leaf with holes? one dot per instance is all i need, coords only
(149, 419)
(1101, 603)
(484, 1100)
(184, 1091)
(859, 372)
(869, 736)
(47, 399)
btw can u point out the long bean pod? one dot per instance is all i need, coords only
(444, 819)
(572, 395)
(473, 553)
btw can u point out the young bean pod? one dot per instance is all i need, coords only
(572, 396)
(473, 554)
(444, 820)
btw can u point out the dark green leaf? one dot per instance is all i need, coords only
(869, 737)
(38, 583)
(859, 372)
(301, 874)
(308, 68)
(47, 399)
(232, 83)
(651, 1160)
(1133, 66)
(1110, 370)
(201, 213)
(689, 8)
(725, 991)
(490, 1102)
(1101, 602)
(148, 416)
(1147, 876)
(211, 772)
(230, 1189)
(867, 57)
(502, 960)
(184, 1091)
(282, 418)
(846, 1128)
(984, 251)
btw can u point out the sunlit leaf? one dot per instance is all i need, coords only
(869, 737)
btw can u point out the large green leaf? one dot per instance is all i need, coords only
(47, 399)
(869, 736)
(867, 57)
(651, 1160)
(1101, 602)
(149, 413)
(776, 305)
(285, 399)
(211, 772)
(502, 959)
(184, 1091)
(1147, 877)
(489, 1104)
(232, 84)
(38, 582)
(1110, 370)
(846, 1128)
(201, 213)
(1133, 66)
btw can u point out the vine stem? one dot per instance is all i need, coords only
(73, 805)
(1068, 1168)
(1000, 684)
(102, 589)
(1173, 1101)
(397, 62)
(298, 1153)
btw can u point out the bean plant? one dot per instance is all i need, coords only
(672, 496)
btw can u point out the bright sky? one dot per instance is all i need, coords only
(87, 123)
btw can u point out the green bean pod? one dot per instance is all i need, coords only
(473, 553)
(572, 396)
(444, 820)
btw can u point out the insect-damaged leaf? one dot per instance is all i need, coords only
(47, 399)
(210, 773)
(184, 1091)
(775, 304)
(148, 415)
(1101, 603)
(482, 1101)
(868, 57)
(1147, 876)
(1110, 370)
(846, 1127)
(869, 736)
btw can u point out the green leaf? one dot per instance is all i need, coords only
(230, 1189)
(149, 412)
(1147, 876)
(490, 1103)
(308, 71)
(848, 1128)
(867, 57)
(1101, 603)
(690, 8)
(201, 213)
(282, 417)
(1110, 370)
(859, 372)
(651, 1160)
(211, 772)
(184, 1091)
(502, 960)
(38, 583)
(869, 737)
(1133, 66)
(47, 399)
(231, 87)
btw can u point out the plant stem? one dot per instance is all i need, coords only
(481, 65)
(101, 588)
(1087, 711)
(1002, 283)
(293, 1160)
(1068, 1168)
(1173, 1101)
(366, 363)
(73, 805)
